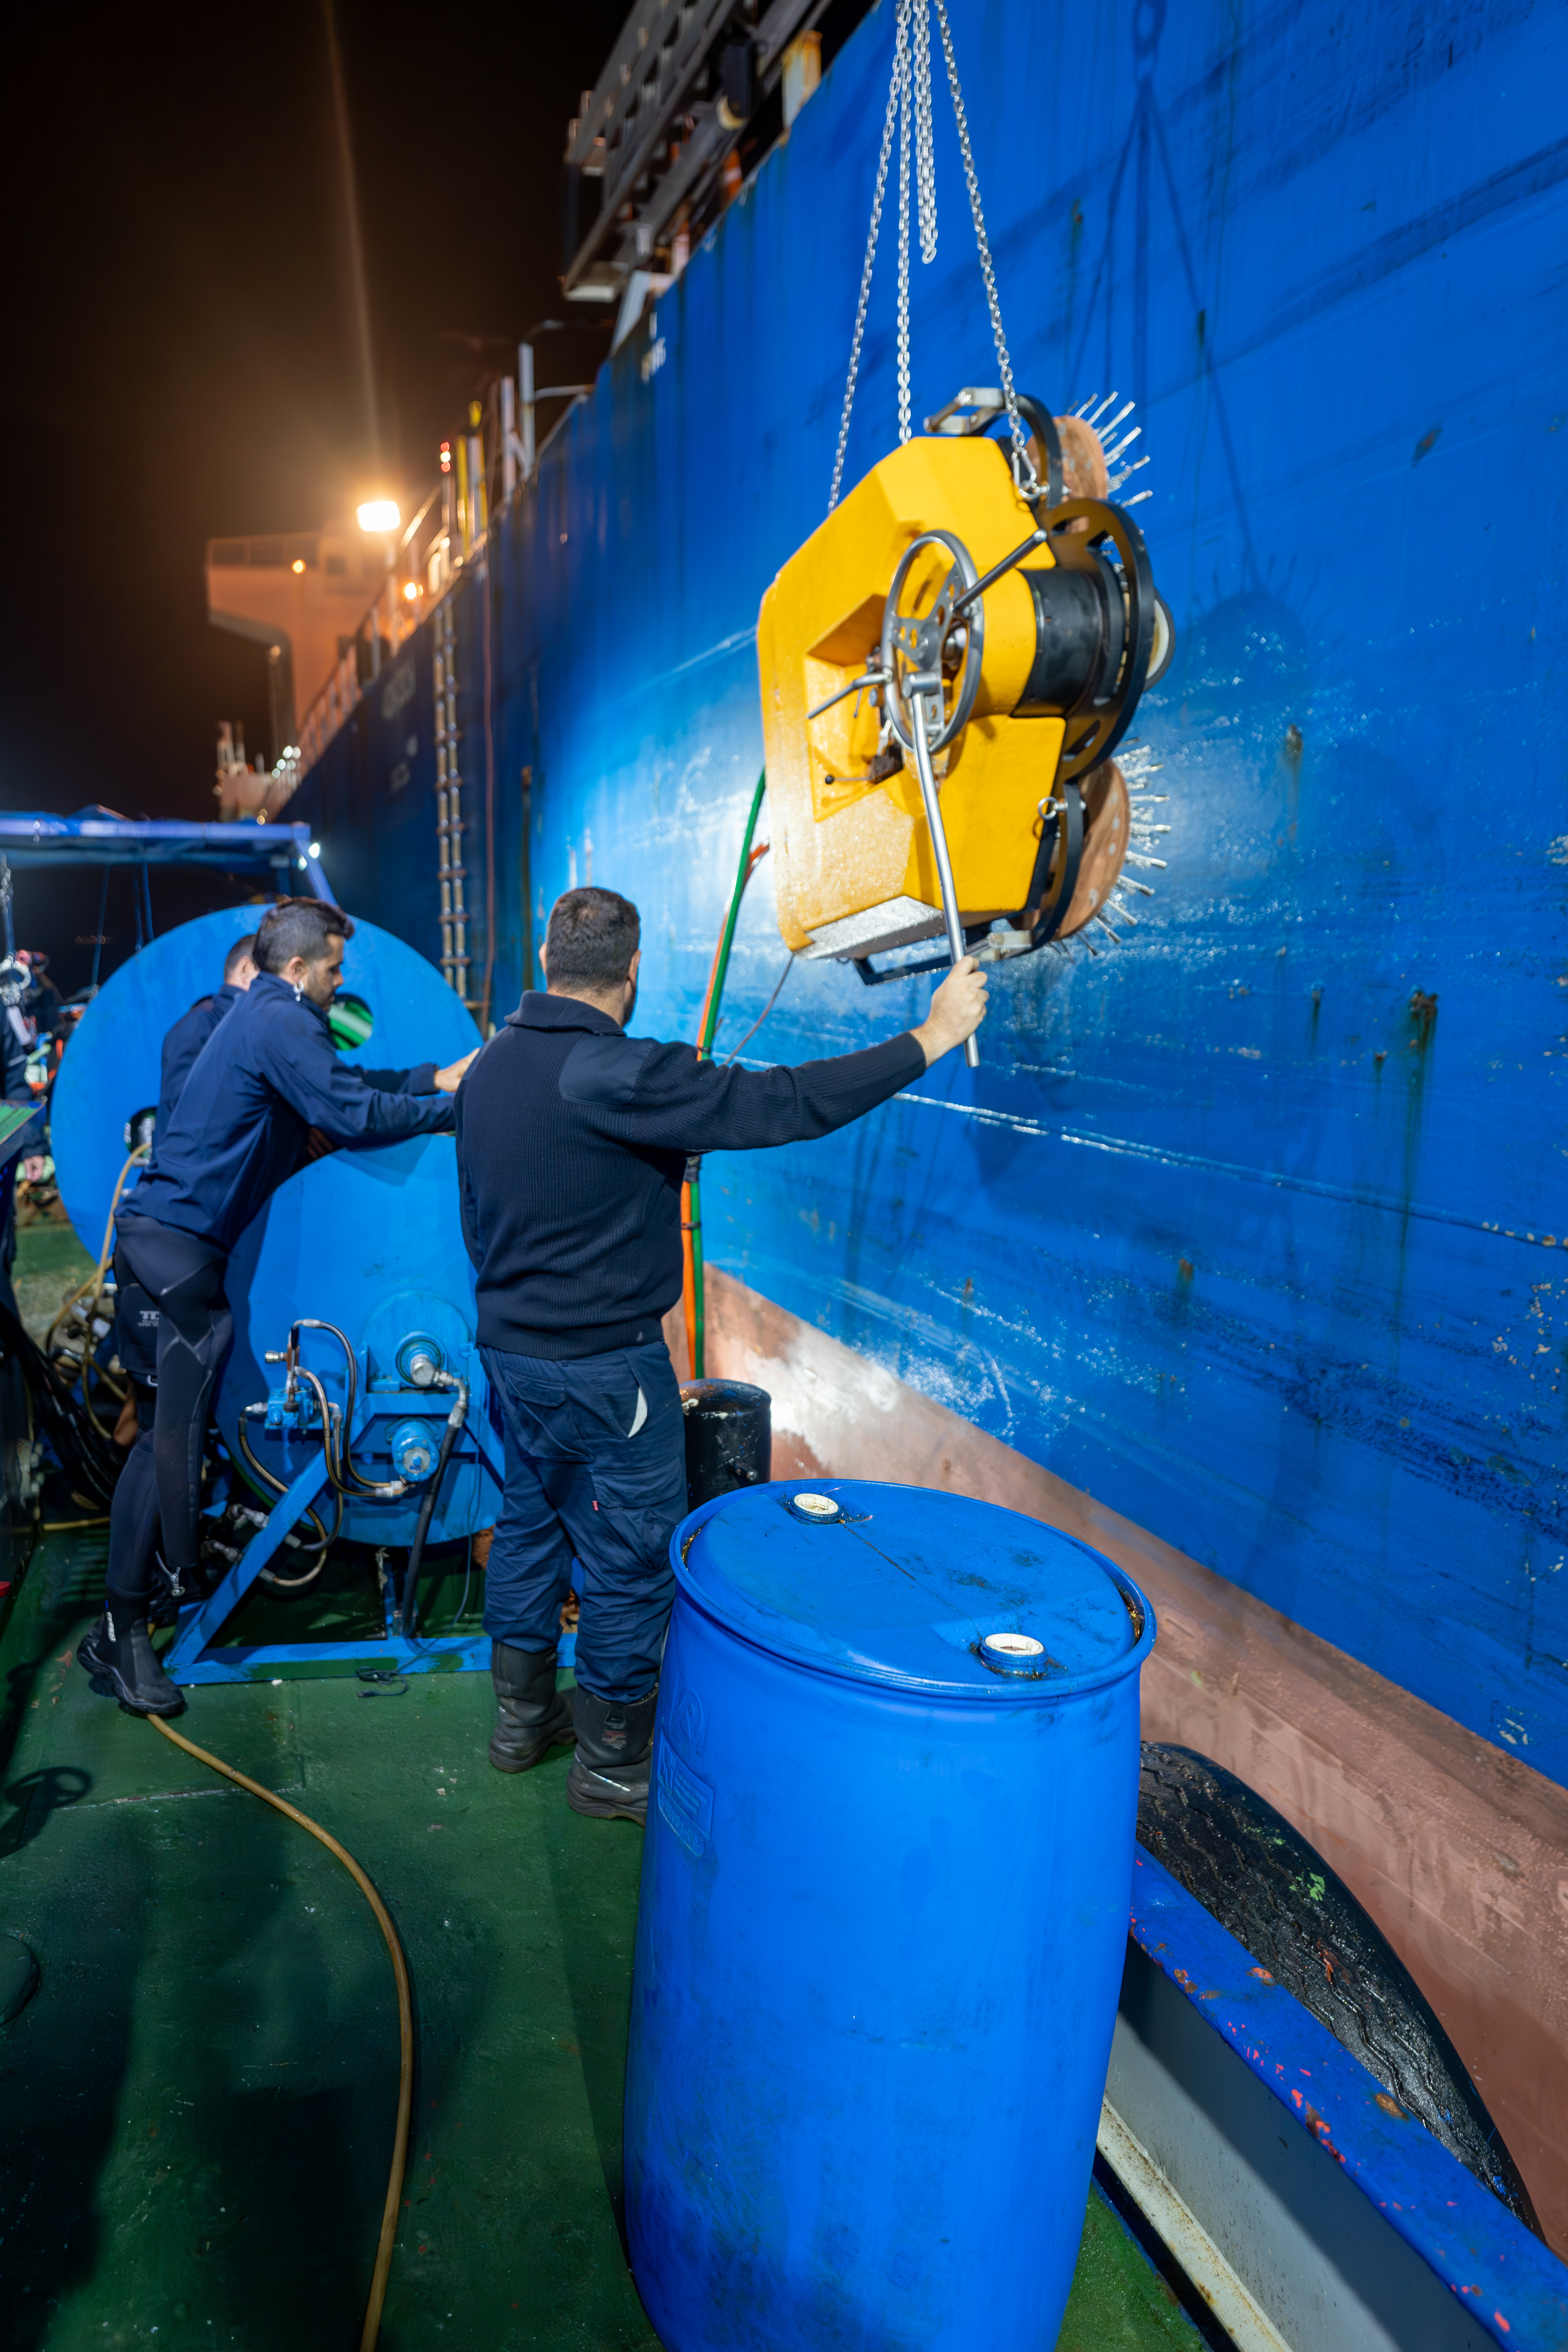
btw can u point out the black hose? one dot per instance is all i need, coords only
(314, 1323)
(336, 1457)
(279, 1488)
(454, 1420)
(345, 1476)
(91, 1458)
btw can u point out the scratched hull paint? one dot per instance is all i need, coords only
(1252, 1230)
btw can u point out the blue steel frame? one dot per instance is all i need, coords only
(193, 1656)
(1509, 2283)
(92, 838)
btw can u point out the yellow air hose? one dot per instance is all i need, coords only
(370, 2332)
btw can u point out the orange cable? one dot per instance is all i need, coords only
(371, 2331)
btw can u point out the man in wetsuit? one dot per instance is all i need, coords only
(133, 1514)
(267, 1076)
(571, 1143)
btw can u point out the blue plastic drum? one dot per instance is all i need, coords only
(884, 1910)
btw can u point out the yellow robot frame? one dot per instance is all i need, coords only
(936, 567)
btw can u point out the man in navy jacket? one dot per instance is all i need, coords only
(573, 1140)
(183, 1043)
(136, 1335)
(267, 1076)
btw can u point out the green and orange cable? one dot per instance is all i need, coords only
(690, 1194)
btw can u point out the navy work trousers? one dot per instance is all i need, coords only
(595, 1467)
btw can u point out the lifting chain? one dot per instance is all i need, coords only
(925, 158)
(904, 424)
(910, 108)
(1023, 471)
(900, 54)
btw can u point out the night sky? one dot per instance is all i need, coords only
(181, 357)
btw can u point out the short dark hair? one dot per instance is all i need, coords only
(591, 939)
(298, 927)
(238, 953)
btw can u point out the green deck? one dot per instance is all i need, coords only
(198, 2101)
(50, 1262)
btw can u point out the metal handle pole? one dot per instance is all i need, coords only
(916, 690)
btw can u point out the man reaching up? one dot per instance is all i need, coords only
(573, 1140)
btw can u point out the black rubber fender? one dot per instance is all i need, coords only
(728, 1438)
(1276, 1895)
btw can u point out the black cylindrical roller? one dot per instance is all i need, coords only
(728, 1438)
(1260, 1877)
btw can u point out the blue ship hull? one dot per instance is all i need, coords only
(1251, 1229)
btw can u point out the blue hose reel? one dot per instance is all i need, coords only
(352, 1295)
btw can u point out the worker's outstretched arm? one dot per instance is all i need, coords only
(423, 1078)
(664, 1097)
(328, 1092)
(419, 1080)
(957, 1010)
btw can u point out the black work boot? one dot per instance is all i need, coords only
(532, 1715)
(609, 1773)
(118, 1653)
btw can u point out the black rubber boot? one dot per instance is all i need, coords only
(532, 1715)
(118, 1653)
(609, 1773)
